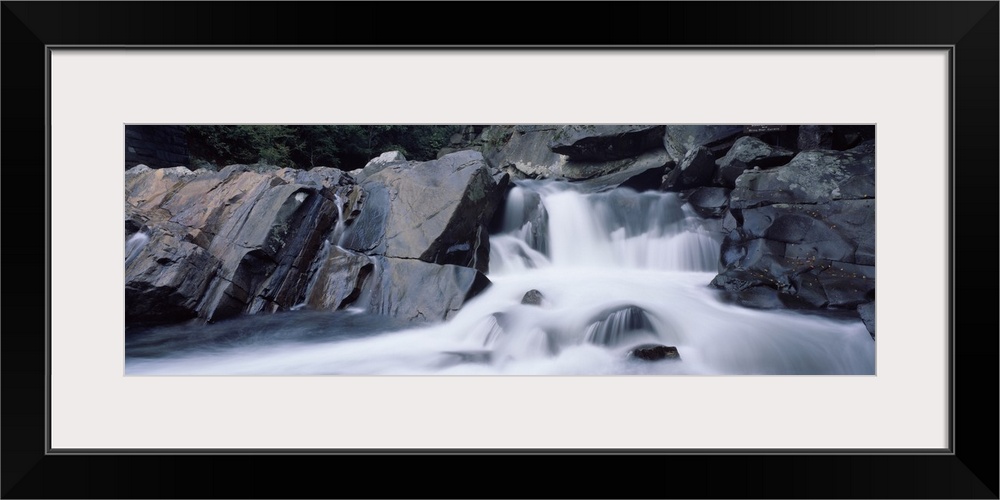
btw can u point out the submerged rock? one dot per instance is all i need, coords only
(532, 297)
(619, 325)
(654, 352)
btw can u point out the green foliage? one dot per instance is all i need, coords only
(307, 146)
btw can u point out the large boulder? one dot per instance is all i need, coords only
(598, 156)
(679, 139)
(641, 172)
(256, 239)
(165, 275)
(522, 151)
(802, 235)
(747, 153)
(694, 170)
(606, 142)
(436, 211)
(379, 163)
(234, 241)
(811, 177)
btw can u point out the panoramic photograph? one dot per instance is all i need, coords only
(525, 250)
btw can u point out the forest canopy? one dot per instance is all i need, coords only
(306, 146)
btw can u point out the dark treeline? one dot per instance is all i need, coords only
(306, 146)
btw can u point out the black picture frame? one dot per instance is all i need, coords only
(968, 470)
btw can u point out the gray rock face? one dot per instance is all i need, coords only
(166, 277)
(419, 291)
(641, 171)
(436, 211)
(604, 156)
(679, 139)
(606, 142)
(804, 233)
(256, 239)
(694, 170)
(749, 152)
(227, 242)
(523, 151)
(811, 177)
(379, 163)
(338, 277)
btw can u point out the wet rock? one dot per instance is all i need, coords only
(606, 142)
(166, 277)
(747, 153)
(619, 325)
(532, 297)
(709, 201)
(419, 291)
(338, 276)
(522, 210)
(241, 238)
(694, 170)
(867, 313)
(492, 328)
(654, 352)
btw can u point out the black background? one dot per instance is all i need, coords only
(971, 472)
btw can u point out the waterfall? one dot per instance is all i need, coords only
(134, 245)
(616, 269)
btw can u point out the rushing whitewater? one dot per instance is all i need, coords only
(614, 270)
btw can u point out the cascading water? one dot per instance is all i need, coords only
(134, 244)
(614, 270)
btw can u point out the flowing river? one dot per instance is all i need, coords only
(614, 270)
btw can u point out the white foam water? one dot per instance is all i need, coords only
(615, 270)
